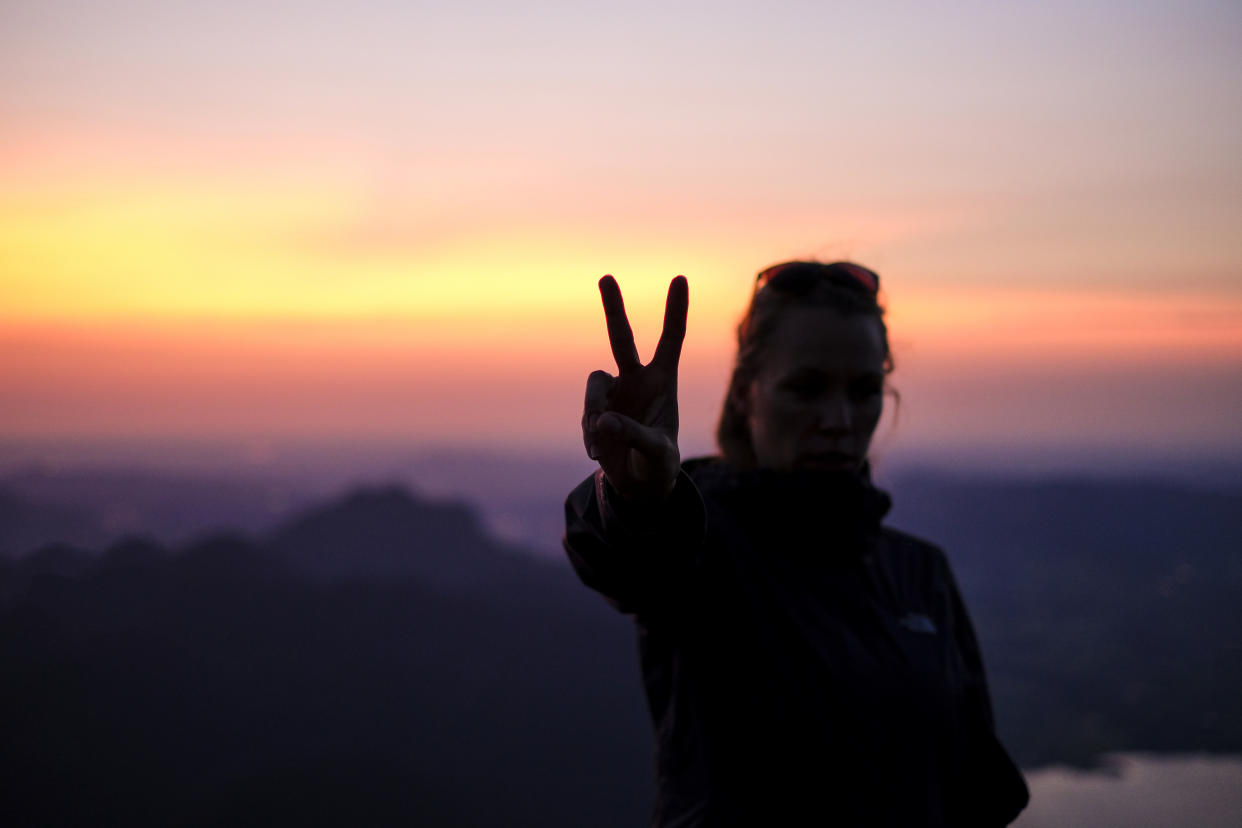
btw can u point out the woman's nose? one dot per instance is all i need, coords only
(834, 413)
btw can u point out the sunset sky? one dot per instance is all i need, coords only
(263, 220)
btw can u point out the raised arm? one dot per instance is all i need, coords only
(632, 531)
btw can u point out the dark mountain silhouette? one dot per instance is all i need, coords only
(226, 684)
(53, 560)
(387, 533)
(27, 523)
(91, 507)
(520, 492)
(381, 659)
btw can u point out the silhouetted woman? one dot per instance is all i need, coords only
(804, 665)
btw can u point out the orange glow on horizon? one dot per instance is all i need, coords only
(447, 375)
(283, 298)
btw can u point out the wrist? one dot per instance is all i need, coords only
(637, 497)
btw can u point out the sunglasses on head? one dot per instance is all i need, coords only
(799, 277)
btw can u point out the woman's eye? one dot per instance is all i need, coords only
(868, 389)
(802, 388)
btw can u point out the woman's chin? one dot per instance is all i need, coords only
(832, 461)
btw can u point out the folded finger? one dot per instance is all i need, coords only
(599, 384)
(619, 429)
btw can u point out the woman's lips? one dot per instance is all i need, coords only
(833, 460)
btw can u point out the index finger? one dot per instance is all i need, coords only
(620, 335)
(676, 307)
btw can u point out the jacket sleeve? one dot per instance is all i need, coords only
(637, 556)
(990, 790)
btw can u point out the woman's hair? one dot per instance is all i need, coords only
(845, 287)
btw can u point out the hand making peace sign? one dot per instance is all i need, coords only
(629, 422)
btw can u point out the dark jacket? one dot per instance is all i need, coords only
(803, 665)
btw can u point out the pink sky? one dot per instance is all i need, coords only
(273, 219)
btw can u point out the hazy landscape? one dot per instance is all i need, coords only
(206, 648)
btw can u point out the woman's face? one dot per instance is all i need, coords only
(819, 391)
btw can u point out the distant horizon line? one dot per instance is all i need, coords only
(356, 456)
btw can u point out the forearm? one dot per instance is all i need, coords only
(635, 554)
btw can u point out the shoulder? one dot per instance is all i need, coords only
(708, 464)
(919, 571)
(908, 543)
(710, 474)
(907, 551)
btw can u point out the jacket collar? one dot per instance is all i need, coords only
(843, 509)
